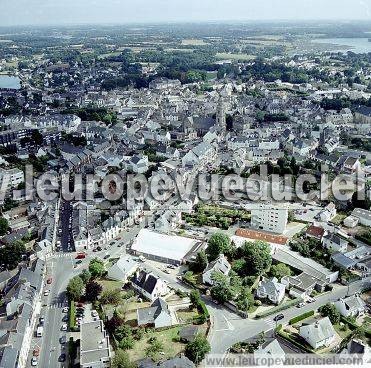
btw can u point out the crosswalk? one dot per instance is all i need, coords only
(56, 306)
(63, 255)
(270, 323)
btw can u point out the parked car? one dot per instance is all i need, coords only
(65, 310)
(62, 357)
(278, 317)
(34, 362)
(106, 256)
(46, 292)
(36, 352)
(300, 305)
(41, 320)
(49, 280)
(64, 327)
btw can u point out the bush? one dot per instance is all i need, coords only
(301, 317)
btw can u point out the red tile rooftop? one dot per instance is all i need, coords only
(315, 231)
(259, 235)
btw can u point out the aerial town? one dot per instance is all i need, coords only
(254, 248)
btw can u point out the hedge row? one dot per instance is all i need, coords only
(301, 317)
(72, 315)
(295, 342)
(279, 308)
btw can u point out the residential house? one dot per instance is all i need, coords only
(335, 243)
(315, 232)
(123, 269)
(270, 349)
(271, 289)
(221, 265)
(318, 334)
(149, 285)
(157, 315)
(351, 306)
(363, 216)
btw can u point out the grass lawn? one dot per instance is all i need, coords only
(342, 330)
(110, 284)
(367, 322)
(187, 316)
(339, 218)
(170, 347)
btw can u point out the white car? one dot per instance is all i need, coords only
(65, 310)
(64, 327)
(34, 362)
(46, 292)
(94, 313)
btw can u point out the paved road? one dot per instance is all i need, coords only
(221, 339)
(66, 227)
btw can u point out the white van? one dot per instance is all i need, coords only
(39, 331)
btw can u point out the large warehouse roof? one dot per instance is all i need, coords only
(162, 245)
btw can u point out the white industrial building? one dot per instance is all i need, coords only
(268, 218)
(164, 248)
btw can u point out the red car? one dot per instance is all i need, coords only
(80, 256)
(49, 280)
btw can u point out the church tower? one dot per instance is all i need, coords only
(221, 119)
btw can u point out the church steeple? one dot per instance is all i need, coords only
(221, 119)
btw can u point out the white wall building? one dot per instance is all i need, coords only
(268, 218)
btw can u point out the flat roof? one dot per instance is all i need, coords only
(94, 342)
(260, 235)
(162, 245)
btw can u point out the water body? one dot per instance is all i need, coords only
(10, 82)
(356, 45)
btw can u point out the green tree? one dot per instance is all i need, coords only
(330, 311)
(111, 296)
(85, 276)
(121, 360)
(11, 254)
(257, 256)
(96, 268)
(195, 298)
(280, 270)
(197, 349)
(201, 261)
(75, 288)
(4, 226)
(221, 290)
(92, 291)
(218, 243)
